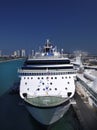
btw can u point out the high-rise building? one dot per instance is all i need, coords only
(32, 53)
(23, 53)
(18, 53)
(15, 53)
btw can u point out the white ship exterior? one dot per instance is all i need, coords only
(47, 83)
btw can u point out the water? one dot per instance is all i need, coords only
(8, 74)
(13, 114)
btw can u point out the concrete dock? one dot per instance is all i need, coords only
(86, 114)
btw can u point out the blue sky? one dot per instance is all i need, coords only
(69, 24)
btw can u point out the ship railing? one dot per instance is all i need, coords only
(40, 73)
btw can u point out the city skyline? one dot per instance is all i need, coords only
(69, 24)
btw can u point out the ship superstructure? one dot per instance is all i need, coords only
(47, 83)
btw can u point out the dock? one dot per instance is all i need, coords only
(85, 113)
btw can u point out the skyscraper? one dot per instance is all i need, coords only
(23, 53)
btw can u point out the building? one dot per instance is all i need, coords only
(23, 53)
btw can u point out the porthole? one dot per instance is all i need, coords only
(50, 89)
(38, 89)
(24, 77)
(47, 77)
(62, 77)
(42, 83)
(51, 77)
(68, 82)
(50, 83)
(66, 88)
(38, 78)
(55, 77)
(31, 77)
(28, 78)
(55, 88)
(25, 83)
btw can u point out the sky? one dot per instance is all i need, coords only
(69, 24)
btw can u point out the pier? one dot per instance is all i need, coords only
(86, 114)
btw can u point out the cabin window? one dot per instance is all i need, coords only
(42, 83)
(38, 89)
(47, 77)
(68, 82)
(25, 83)
(50, 83)
(55, 88)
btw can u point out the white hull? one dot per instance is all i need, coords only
(47, 116)
(47, 84)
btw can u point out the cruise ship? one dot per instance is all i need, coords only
(47, 83)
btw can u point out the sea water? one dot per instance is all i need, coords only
(13, 114)
(9, 73)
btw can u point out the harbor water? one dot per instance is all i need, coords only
(9, 74)
(13, 114)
